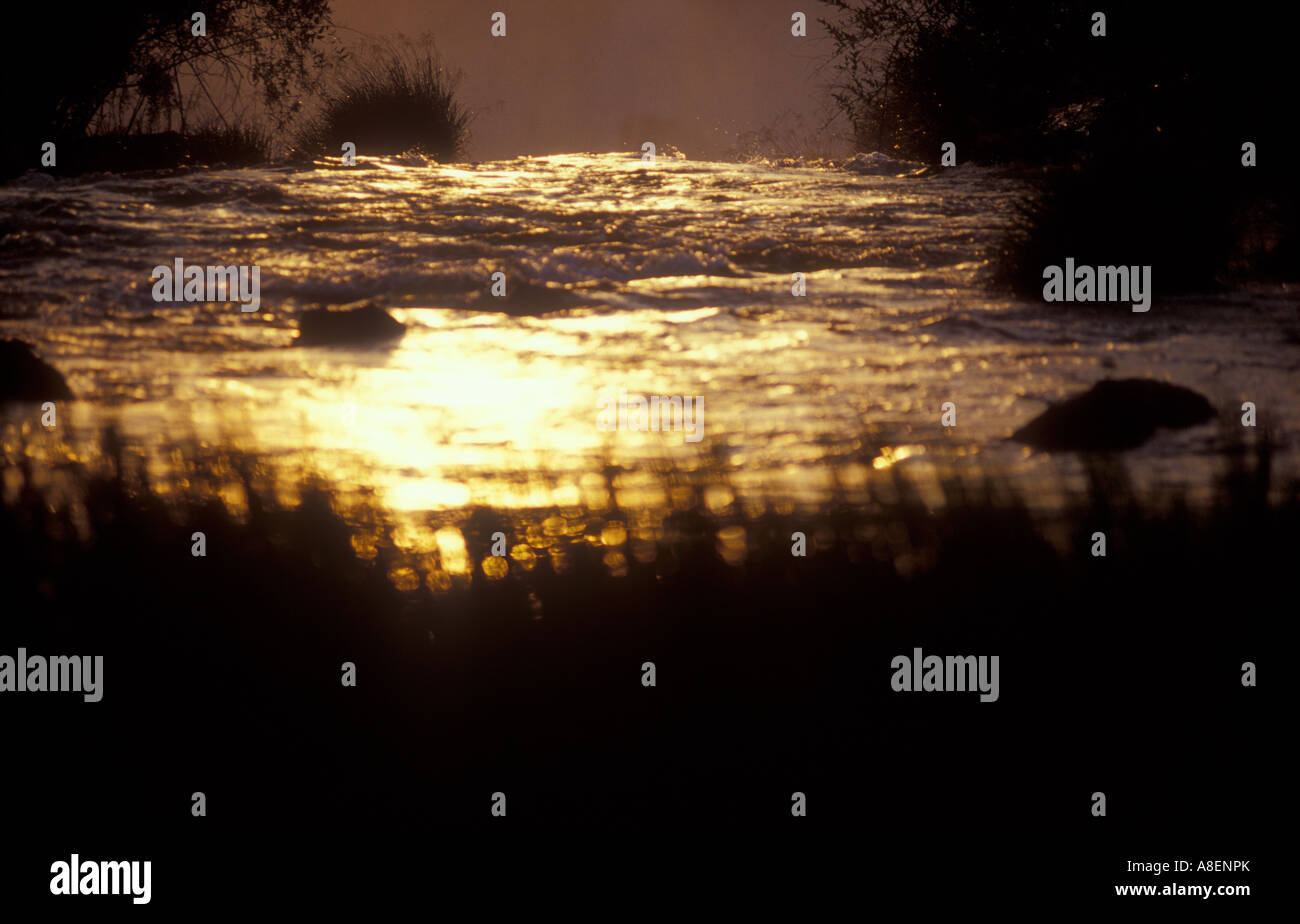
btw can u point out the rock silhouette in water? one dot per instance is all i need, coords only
(367, 325)
(1115, 414)
(26, 377)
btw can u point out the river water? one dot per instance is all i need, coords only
(672, 278)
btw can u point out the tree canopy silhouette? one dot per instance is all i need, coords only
(1029, 79)
(137, 65)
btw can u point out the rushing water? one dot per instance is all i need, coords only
(668, 279)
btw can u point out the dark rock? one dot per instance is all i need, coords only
(367, 325)
(26, 377)
(526, 300)
(1115, 414)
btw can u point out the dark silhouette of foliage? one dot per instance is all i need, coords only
(390, 98)
(1027, 80)
(135, 67)
(1138, 133)
(773, 668)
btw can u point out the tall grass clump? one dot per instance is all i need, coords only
(389, 99)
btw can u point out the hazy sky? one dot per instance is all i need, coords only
(603, 75)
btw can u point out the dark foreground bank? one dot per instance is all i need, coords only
(222, 675)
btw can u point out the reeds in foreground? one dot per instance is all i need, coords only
(524, 673)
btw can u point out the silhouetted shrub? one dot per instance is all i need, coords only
(1105, 215)
(1140, 130)
(136, 68)
(394, 98)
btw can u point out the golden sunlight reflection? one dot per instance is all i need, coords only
(890, 455)
(451, 546)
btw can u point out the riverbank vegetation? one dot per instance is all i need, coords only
(1134, 129)
(148, 86)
